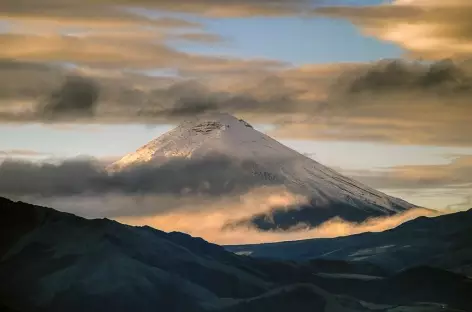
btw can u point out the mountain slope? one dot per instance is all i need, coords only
(329, 194)
(443, 241)
(60, 259)
(53, 261)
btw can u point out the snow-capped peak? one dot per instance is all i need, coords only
(210, 133)
(223, 134)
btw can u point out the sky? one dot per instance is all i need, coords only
(378, 90)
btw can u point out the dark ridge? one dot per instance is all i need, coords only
(246, 123)
(346, 267)
(426, 284)
(298, 298)
(54, 261)
(196, 244)
(15, 222)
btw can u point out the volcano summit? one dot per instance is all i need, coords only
(262, 158)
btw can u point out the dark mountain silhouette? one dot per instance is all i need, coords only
(54, 261)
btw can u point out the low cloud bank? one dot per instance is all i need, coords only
(206, 217)
(182, 195)
(178, 176)
(210, 222)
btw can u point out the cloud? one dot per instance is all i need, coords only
(136, 98)
(211, 8)
(425, 28)
(98, 51)
(24, 80)
(213, 176)
(208, 217)
(394, 101)
(92, 32)
(193, 196)
(95, 33)
(77, 97)
(390, 101)
(444, 77)
(466, 204)
(210, 222)
(200, 37)
(445, 186)
(145, 50)
(82, 19)
(455, 175)
(21, 153)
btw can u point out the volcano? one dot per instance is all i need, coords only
(329, 193)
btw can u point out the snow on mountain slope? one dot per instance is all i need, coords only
(223, 134)
(201, 136)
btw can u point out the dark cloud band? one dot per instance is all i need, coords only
(212, 176)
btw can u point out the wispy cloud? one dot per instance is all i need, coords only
(390, 101)
(108, 43)
(456, 174)
(425, 28)
(451, 182)
(394, 101)
(466, 204)
(106, 50)
(13, 153)
(212, 176)
(211, 8)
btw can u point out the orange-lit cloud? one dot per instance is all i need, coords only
(100, 51)
(213, 8)
(425, 28)
(208, 217)
(210, 221)
(392, 101)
